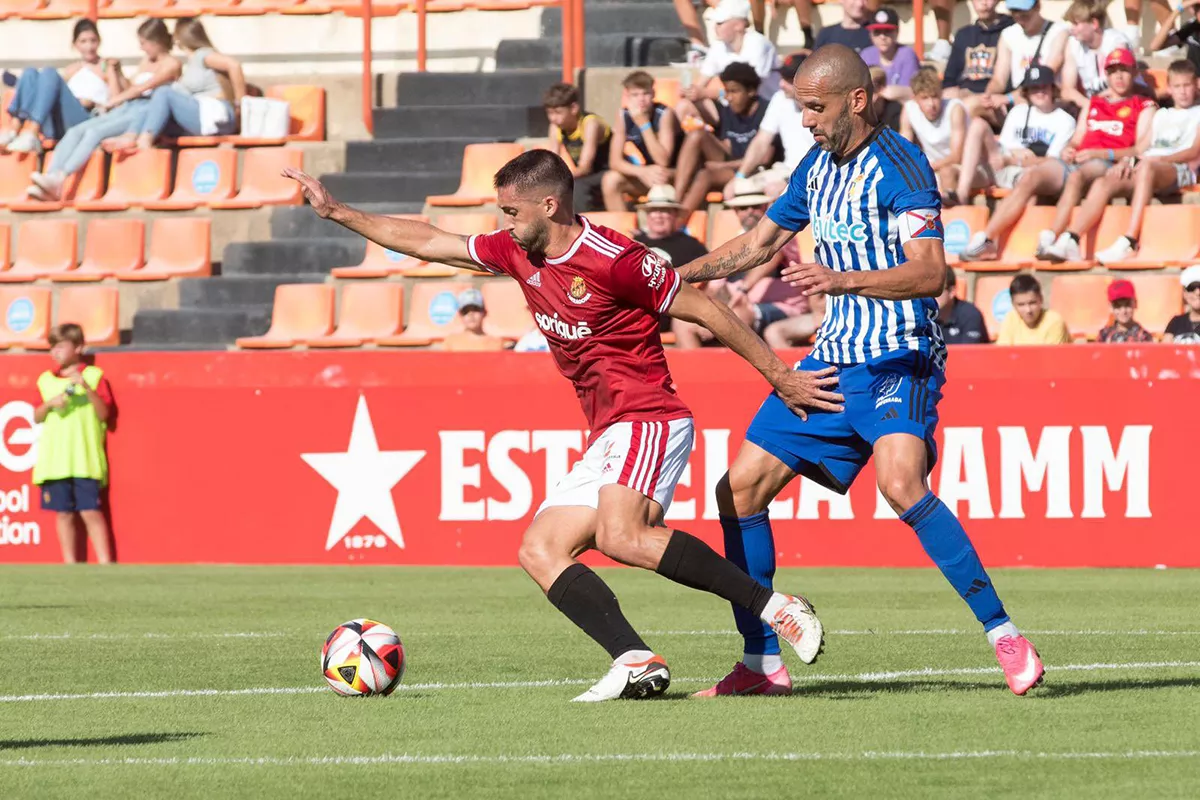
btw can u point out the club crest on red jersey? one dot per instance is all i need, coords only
(578, 292)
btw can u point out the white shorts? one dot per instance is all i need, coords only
(648, 457)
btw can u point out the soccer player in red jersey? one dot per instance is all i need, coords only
(597, 296)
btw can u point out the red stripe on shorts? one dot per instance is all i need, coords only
(635, 442)
(660, 458)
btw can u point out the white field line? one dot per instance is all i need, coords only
(573, 759)
(860, 677)
(87, 637)
(944, 632)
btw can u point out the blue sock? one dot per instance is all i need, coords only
(750, 545)
(945, 541)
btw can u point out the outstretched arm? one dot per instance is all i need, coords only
(754, 247)
(417, 239)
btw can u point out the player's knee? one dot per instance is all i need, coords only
(534, 555)
(739, 493)
(902, 491)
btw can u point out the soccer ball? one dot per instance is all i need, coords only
(363, 657)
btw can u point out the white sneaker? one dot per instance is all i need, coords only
(35, 193)
(1045, 242)
(636, 681)
(979, 248)
(1065, 248)
(940, 51)
(25, 143)
(1119, 250)
(797, 624)
(5, 138)
(51, 184)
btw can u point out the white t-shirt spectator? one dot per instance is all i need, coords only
(757, 51)
(1090, 63)
(933, 135)
(1173, 130)
(1022, 47)
(784, 118)
(1025, 125)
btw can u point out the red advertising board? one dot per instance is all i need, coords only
(1071, 456)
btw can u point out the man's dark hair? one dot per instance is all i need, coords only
(560, 95)
(791, 65)
(1024, 284)
(1182, 67)
(951, 279)
(537, 171)
(741, 74)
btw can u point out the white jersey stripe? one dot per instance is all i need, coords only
(601, 245)
(670, 298)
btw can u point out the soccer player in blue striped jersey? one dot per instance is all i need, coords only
(871, 200)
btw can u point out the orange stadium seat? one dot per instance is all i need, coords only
(24, 316)
(135, 177)
(180, 247)
(1156, 79)
(1159, 297)
(1170, 237)
(124, 9)
(94, 308)
(19, 8)
(378, 261)
(262, 183)
(5, 246)
(507, 313)
(1083, 302)
(625, 222)
(44, 247)
(302, 311)
(993, 301)
(508, 5)
(697, 226)
(961, 223)
(368, 312)
(201, 176)
(87, 184)
(307, 110)
(480, 163)
(62, 9)
(1113, 223)
(379, 8)
(725, 226)
(112, 245)
(1019, 246)
(432, 315)
(667, 91)
(15, 169)
(462, 224)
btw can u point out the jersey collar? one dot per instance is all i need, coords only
(853, 154)
(574, 245)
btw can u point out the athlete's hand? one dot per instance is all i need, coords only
(801, 390)
(813, 279)
(318, 196)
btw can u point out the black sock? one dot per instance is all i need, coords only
(1074, 237)
(1132, 242)
(691, 562)
(810, 38)
(589, 603)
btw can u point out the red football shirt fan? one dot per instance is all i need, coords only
(598, 305)
(1113, 125)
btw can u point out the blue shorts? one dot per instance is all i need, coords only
(71, 494)
(895, 393)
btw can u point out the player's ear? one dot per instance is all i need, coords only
(859, 100)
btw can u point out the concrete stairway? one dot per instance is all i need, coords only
(620, 33)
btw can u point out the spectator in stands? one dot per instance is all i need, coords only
(710, 159)
(1185, 328)
(1032, 131)
(1092, 39)
(939, 126)
(1188, 34)
(532, 342)
(973, 57)
(662, 232)
(472, 338)
(584, 138)
(1032, 38)
(1162, 163)
(782, 122)
(961, 321)
(1106, 132)
(1162, 18)
(1029, 321)
(900, 62)
(1123, 329)
(856, 14)
(887, 110)
(47, 103)
(736, 43)
(123, 109)
(644, 146)
(75, 404)
(798, 329)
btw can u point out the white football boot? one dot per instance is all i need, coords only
(635, 681)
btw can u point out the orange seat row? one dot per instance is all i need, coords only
(143, 178)
(114, 247)
(26, 315)
(374, 314)
(122, 9)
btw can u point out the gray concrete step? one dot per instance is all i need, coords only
(291, 257)
(512, 87)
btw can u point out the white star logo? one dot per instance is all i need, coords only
(364, 477)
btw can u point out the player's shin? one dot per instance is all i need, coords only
(692, 563)
(587, 601)
(750, 545)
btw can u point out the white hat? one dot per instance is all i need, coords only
(746, 193)
(662, 196)
(731, 9)
(1190, 275)
(469, 298)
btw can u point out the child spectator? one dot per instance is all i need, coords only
(973, 56)
(1188, 34)
(851, 31)
(1106, 132)
(1029, 321)
(1032, 38)
(124, 109)
(710, 159)
(472, 338)
(1123, 329)
(662, 232)
(939, 126)
(887, 111)
(644, 145)
(736, 42)
(1032, 131)
(900, 62)
(782, 123)
(1165, 165)
(72, 466)
(47, 103)
(1185, 328)
(1092, 39)
(584, 138)
(961, 321)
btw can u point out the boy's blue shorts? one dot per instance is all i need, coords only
(895, 393)
(71, 494)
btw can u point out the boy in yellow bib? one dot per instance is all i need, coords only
(72, 466)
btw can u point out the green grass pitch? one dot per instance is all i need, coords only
(129, 682)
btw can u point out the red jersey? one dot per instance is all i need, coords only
(598, 305)
(1112, 125)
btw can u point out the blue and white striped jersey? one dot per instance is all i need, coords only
(863, 208)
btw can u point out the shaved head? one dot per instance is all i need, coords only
(833, 89)
(837, 69)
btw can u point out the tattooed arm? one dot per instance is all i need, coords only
(754, 247)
